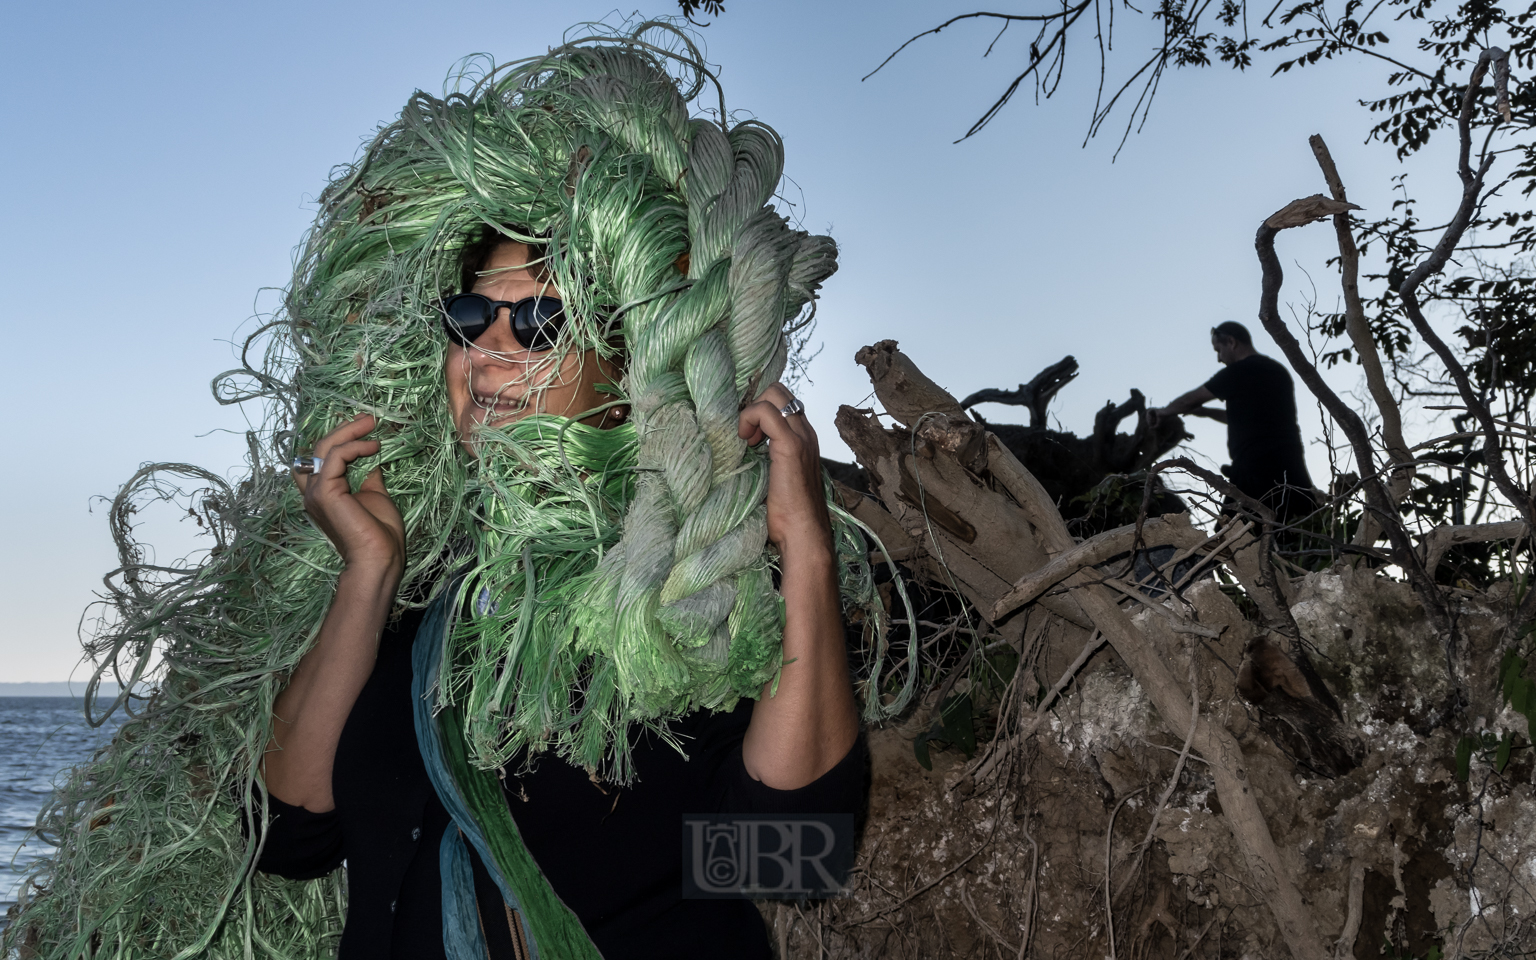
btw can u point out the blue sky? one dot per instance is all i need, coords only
(161, 160)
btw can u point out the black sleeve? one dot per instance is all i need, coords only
(843, 789)
(300, 844)
(1222, 383)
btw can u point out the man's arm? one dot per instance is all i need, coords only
(1192, 402)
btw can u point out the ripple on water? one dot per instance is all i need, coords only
(40, 738)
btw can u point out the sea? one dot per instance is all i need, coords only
(40, 739)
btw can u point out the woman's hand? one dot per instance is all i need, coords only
(308, 716)
(798, 523)
(365, 527)
(806, 720)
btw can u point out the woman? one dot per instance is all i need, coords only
(341, 777)
(797, 735)
(499, 644)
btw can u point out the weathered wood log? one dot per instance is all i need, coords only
(1069, 466)
(1035, 395)
(921, 405)
(928, 497)
(1435, 543)
(1173, 529)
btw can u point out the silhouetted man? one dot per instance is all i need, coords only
(1263, 437)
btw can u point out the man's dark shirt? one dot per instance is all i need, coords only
(1263, 437)
(614, 855)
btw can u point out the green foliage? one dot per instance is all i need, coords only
(1501, 756)
(1114, 502)
(1464, 748)
(712, 7)
(955, 725)
(1519, 692)
(1490, 749)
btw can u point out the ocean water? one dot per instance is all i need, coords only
(40, 739)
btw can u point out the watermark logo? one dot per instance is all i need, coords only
(780, 857)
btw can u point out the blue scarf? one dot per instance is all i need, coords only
(474, 799)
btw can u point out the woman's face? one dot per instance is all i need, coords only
(495, 381)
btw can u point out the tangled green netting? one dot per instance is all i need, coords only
(611, 577)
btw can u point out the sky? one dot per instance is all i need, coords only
(161, 162)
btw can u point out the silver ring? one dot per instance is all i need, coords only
(307, 464)
(793, 407)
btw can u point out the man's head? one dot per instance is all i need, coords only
(1231, 341)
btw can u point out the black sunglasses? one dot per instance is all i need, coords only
(536, 321)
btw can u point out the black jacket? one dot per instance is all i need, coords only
(614, 855)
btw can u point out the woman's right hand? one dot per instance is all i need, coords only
(365, 527)
(310, 713)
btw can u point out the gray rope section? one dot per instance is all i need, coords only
(695, 535)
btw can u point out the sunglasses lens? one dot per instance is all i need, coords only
(537, 323)
(467, 315)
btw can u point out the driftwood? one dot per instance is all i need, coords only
(1439, 540)
(1035, 395)
(1173, 529)
(938, 467)
(1115, 675)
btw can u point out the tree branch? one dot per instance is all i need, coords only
(1295, 214)
(1439, 540)
(1035, 395)
(1174, 529)
(1359, 330)
(1471, 199)
(1010, 17)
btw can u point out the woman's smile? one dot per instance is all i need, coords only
(498, 403)
(496, 380)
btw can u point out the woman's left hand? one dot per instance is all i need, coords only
(798, 522)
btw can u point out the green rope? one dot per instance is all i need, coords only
(620, 577)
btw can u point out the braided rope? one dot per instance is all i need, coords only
(614, 577)
(683, 603)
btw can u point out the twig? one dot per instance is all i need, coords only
(1464, 435)
(1377, 496)
(1109, 848)
(1221, 484)
(1033, 632)
(1008, 17)
(1207, 545)
(1173, 779)
(1278, 608)
(1233, 532)
(954, 676)
(1189, 951)
(821, 948)
(875, 915)
(1034, 890)
(965, 898)
(1091, 552)
(986, 764)
(1176, 623)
